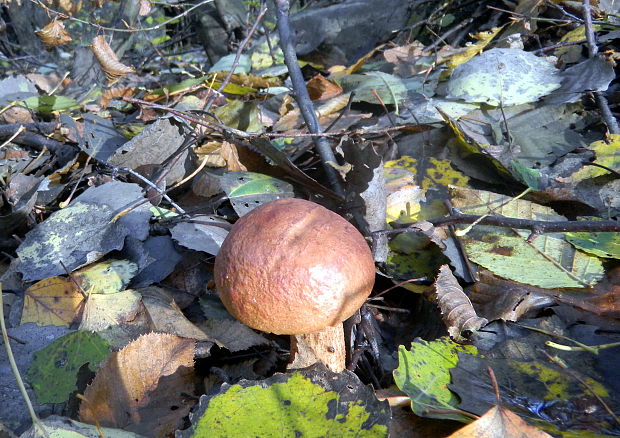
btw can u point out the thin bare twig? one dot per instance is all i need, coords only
(41, 127)
(558, 45)
(530, 17)
(223, 128)
(39, 427)
(154, 186)
(601, 101)
(259, 18)
(442, 38)
(537, 227)
(301, 95)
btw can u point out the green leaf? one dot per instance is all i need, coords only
(225, 63)
(423, 374)
(600, 244)
(161, 39)
(607, 155)
(240, 115)
(307, 404)
(529, 176)
(391, 90)
(549, 261)
(252, 183)
(53, 372)
(503, 76)
(48, 104)
(195, 83)
(248, 190)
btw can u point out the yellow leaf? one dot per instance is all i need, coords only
(53, 301)
(483, 40)
(607, 154)
(106, 277)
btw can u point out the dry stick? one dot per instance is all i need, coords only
(38, 142)
(244, 43)
(608, 117)
(34, 163)
(442, 38)
(582, 346)
(212, 125)
(558, 45)
(38, 425)
(301, 95)
(387, 113)
(462, 252)
(223, 128)
(42, 127)
(163, 192)
(492, 210)
(12, 137)
(531, 17)
(537, 227)
(154, 186)
(63, 204)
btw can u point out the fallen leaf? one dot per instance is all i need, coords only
(499, 422)
(132, 379)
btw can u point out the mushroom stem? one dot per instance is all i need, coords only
(326, 346)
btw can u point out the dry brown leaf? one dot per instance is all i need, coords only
(231, 334)
(211, 151)
(141, 387)
(229, 153)
(14, 154)
(113, 68)
(205, 184)
(320, 88)
(166, 316)
(499, 422)
(54, 34)
(495, 298)
(405, 58)
(293, 119)
(47, 82)
(457, 311)
(16, 114)
(113, 93)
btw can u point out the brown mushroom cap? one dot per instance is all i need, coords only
(292, 266)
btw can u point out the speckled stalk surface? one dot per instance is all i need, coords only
(292, 266)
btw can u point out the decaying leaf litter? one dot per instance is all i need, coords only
(473, 144)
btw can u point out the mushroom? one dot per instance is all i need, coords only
(294, 267)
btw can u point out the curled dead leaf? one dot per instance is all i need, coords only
(457, 311)
(54, 34)
(113, 68)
